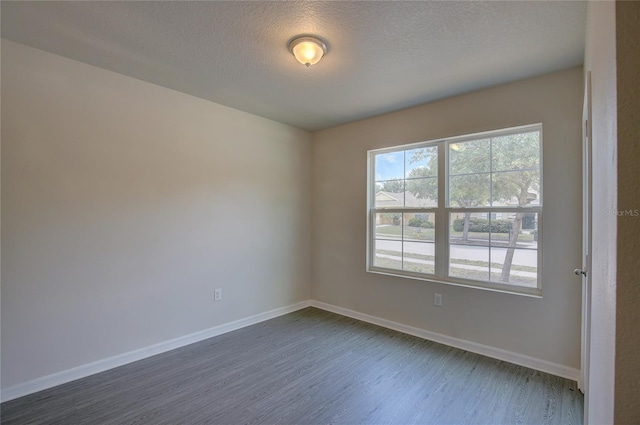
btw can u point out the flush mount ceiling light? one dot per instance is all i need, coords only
(307, 50)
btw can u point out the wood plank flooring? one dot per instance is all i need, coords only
(308, 367)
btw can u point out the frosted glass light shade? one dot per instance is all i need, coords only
(308, 50)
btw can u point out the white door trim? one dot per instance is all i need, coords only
(583, 383)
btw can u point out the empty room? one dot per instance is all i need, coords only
(309, 212)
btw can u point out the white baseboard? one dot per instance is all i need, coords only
(474, 347)
(83, 371)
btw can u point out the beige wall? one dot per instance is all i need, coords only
(627, 362)
(125, 204)
(600, 59)
(547, 328)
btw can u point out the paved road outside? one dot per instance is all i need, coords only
(522, 257)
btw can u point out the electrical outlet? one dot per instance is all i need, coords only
(437, 300)
(217, 294)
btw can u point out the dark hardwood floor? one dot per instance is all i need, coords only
(308, 367)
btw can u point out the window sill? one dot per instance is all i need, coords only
(504, 289)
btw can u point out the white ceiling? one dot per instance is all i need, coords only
(383, 56)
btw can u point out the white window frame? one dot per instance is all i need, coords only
(442, 211)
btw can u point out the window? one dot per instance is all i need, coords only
(464, 210)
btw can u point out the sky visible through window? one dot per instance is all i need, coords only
(390, 166)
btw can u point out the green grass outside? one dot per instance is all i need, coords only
(389, 263)
(409, 232)
(522, 237)
(515, 267)
(429, 234)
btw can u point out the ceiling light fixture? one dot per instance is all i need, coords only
(307, 50)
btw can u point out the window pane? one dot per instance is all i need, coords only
(515, 266)
(419, 257)
(421, 192)
(469, 262)
(419, 226)
(470, 229)
(493, 175)
(389, 166)
(421, 162)
(516, 188)
(389, 194)
(469, 190)
(516, 151)
(388, 226)
(469, 157)
(388, 254)
(525, 235)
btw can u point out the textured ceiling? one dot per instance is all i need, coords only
(383, 56)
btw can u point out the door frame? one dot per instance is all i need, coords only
(583, 383)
